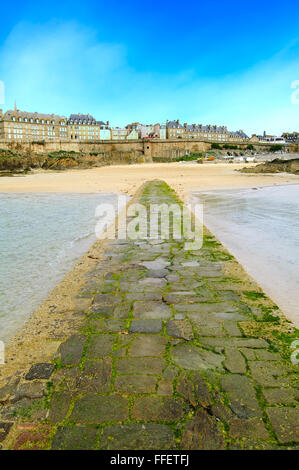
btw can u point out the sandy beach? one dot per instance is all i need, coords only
(183, 177)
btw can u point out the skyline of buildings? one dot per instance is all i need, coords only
(21, 125)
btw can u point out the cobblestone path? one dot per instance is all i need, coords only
(178, 350)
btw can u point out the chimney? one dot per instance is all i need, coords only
(107, 123)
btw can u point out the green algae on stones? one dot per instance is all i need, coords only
(189, 356)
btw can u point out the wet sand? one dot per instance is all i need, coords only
(183, 177)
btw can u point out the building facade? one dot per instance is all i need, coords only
(119, 133)
(239, 136)
(105, 131)
(291, 137)
(175, 130)
(85, 127)
(133, 135)
(215, 133)
(163, 131)
(273, 139)
(148, 131)
(21, 125)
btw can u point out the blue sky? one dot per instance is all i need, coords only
(219, 62)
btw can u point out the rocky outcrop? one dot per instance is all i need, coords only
(275, 166)
(16, 161)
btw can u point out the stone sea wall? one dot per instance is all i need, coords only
(24, 156)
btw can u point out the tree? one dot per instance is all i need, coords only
(276, 147)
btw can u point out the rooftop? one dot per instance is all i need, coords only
(81, 119)
(29, 115)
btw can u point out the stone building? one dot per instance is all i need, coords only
(175, 130)
(145, 131)
(133, 135)
(85, 127)
(105, 130)
(238, 136)
(254, 139)
(119, 133)
(163, 131)
(291, 137)
(21, 125)
(215, 133)
(2, 122)
(159, 131)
